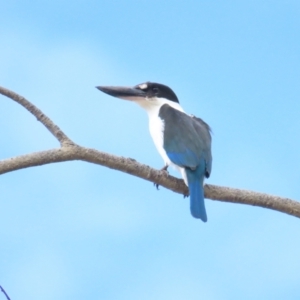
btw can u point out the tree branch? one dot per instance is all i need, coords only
(54, 129)
(3, 291)
(70, 151)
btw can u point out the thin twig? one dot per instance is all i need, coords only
(3, 291)
(54, 129)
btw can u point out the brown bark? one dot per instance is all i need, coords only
(71, 151)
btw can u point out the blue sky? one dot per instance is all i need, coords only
(75, 230)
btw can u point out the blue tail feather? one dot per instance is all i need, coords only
(195, 183)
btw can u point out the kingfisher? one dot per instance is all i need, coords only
(183, 141)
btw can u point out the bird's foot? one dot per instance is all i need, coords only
(156, 185)
(163, 169)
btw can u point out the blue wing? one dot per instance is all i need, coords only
(187, 142)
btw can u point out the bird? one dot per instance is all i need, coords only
(182, 140)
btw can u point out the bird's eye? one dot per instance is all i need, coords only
(155, 90)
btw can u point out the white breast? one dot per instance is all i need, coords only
(156, 127)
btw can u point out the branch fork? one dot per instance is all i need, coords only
(69, 151)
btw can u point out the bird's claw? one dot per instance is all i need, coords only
(165, 168)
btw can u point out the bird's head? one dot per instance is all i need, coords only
(146, 94)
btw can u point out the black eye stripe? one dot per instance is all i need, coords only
(158, 90)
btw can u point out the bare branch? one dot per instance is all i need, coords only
(54, 129)
(232, 195)
(137, 169)
(3, 291)
(76, 152)
(70, 151)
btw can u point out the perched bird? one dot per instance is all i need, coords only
(183, 141)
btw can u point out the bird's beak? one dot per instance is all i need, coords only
(127, 93)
